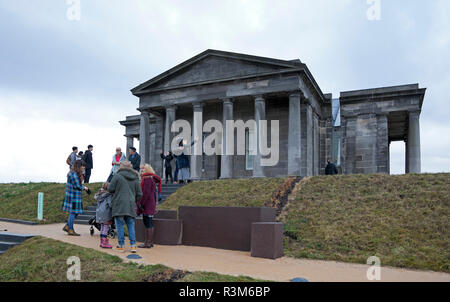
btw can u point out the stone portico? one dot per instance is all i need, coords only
(230, 86)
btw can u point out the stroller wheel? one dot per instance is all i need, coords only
(111, 234)
(91, 231)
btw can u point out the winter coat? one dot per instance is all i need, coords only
(331, 169)
(127, 192)
(116, 167)
(87, 157)
(182, 161)
(147, 203)
(135, 161)
(73, 197)
(167, 159)
(104, 210)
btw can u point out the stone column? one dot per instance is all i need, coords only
(316, 153)
(260, 115)
(144, 138)
(197, 147)
(226, 164)
(309, 139)
(158, 145)
(130, 143)
(294, 140)
(170, 118)
(382, 144)
(413, 145)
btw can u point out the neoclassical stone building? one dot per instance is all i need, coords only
(355, 130)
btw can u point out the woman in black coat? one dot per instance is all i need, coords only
(167, 165)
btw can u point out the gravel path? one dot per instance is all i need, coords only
(234, 262)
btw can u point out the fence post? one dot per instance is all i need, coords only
(40, 210)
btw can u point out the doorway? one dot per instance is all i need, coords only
(397, 157)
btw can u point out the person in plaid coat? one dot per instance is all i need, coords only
(73, 203)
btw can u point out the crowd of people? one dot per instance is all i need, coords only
(131, 190)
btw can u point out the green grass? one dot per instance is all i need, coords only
(404, 220)
(225, 193)
(19, 201)
(214, 277)
(44, 260)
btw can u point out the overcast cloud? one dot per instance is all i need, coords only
(65, 83)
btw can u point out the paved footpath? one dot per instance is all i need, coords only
(234, 262)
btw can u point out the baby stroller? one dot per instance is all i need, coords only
(93, 223)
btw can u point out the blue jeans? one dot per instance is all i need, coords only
(71, 220)
(120, 222)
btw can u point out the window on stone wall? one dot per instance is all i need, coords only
(336, 135)
(250, 145)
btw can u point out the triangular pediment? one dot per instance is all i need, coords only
(213, 66)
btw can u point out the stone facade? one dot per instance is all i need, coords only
(229, 86)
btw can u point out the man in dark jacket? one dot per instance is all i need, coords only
(87, 157)
(167, 165)
(331, 169)
(135, 159)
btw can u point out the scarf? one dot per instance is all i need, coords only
(156, 178)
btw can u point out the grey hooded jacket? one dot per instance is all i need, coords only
(104, 209)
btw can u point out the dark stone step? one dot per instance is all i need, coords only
(11, 237)
(84, 217)
(78, 221)
(171, 186)
(7, 245)
(9, 240)
(167, 192)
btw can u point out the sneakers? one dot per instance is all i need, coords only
(73, 233)
(121, 248)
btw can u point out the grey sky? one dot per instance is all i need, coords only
(67, 82)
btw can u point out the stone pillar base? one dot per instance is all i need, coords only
(267, 240)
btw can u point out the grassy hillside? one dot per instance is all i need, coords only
(19, 201)
(253, 192)
(44, 260)
(404, 220)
